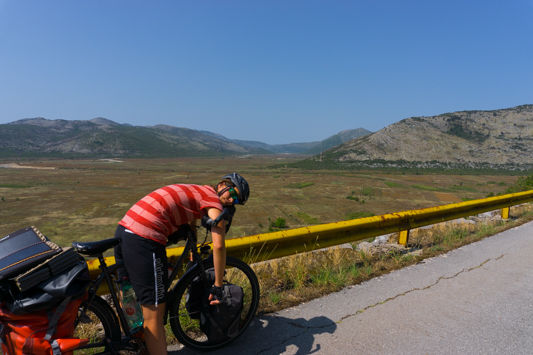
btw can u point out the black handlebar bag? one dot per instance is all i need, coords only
(22, 250)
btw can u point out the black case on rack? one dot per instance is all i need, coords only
(67, 259)
(24, 249)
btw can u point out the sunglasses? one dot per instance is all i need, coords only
(233, 194)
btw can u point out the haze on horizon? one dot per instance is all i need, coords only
(270, 71)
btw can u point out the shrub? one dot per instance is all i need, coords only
(280, 222)
(277, 224)
(524, 183)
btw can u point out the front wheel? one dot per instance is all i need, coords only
(187, 330)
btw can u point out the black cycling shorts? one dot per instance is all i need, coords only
(145, 263)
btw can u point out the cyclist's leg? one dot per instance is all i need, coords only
(146, 263)
(154, 329)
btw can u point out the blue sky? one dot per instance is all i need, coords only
(277, 71)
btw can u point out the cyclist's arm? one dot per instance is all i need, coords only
(218, 235)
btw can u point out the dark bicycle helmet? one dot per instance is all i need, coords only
(241, 184)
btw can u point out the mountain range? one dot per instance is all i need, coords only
(103, 137)
(495, 139)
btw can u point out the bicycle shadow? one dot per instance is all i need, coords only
(274, 334)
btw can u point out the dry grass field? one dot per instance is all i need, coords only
(84, 199)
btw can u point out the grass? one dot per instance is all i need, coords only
(307, 219)
(368, 191)
(299, 185)
(392, 184)
(15, 186)
(426, 188)
(464, 188)
(355, 215)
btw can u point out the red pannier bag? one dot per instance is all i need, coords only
(34, 335)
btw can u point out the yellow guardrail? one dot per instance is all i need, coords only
(292, 241)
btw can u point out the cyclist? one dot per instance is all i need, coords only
(145, 230)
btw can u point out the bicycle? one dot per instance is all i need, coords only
(108, 328)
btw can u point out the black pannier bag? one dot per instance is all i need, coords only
(220, 321)
(198, 294)
(22, 250)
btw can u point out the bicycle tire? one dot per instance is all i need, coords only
(100, 323)
(187, 330)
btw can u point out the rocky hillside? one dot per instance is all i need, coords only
(337, 139)
(467, 138)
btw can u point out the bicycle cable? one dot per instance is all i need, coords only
(205, 239)
(203, 248)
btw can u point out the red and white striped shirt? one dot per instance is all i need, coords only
(161, 213)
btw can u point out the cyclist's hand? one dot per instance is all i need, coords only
(215, 295)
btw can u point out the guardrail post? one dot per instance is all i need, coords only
(505, 213)
(404, 237)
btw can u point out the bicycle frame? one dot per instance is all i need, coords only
(190, 247)
(106, 275)
(107, 271)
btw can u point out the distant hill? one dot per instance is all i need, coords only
(103, 137)
(42, 137)
(490, 139)
(301, 148)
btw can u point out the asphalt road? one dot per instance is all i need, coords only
(474, 300)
